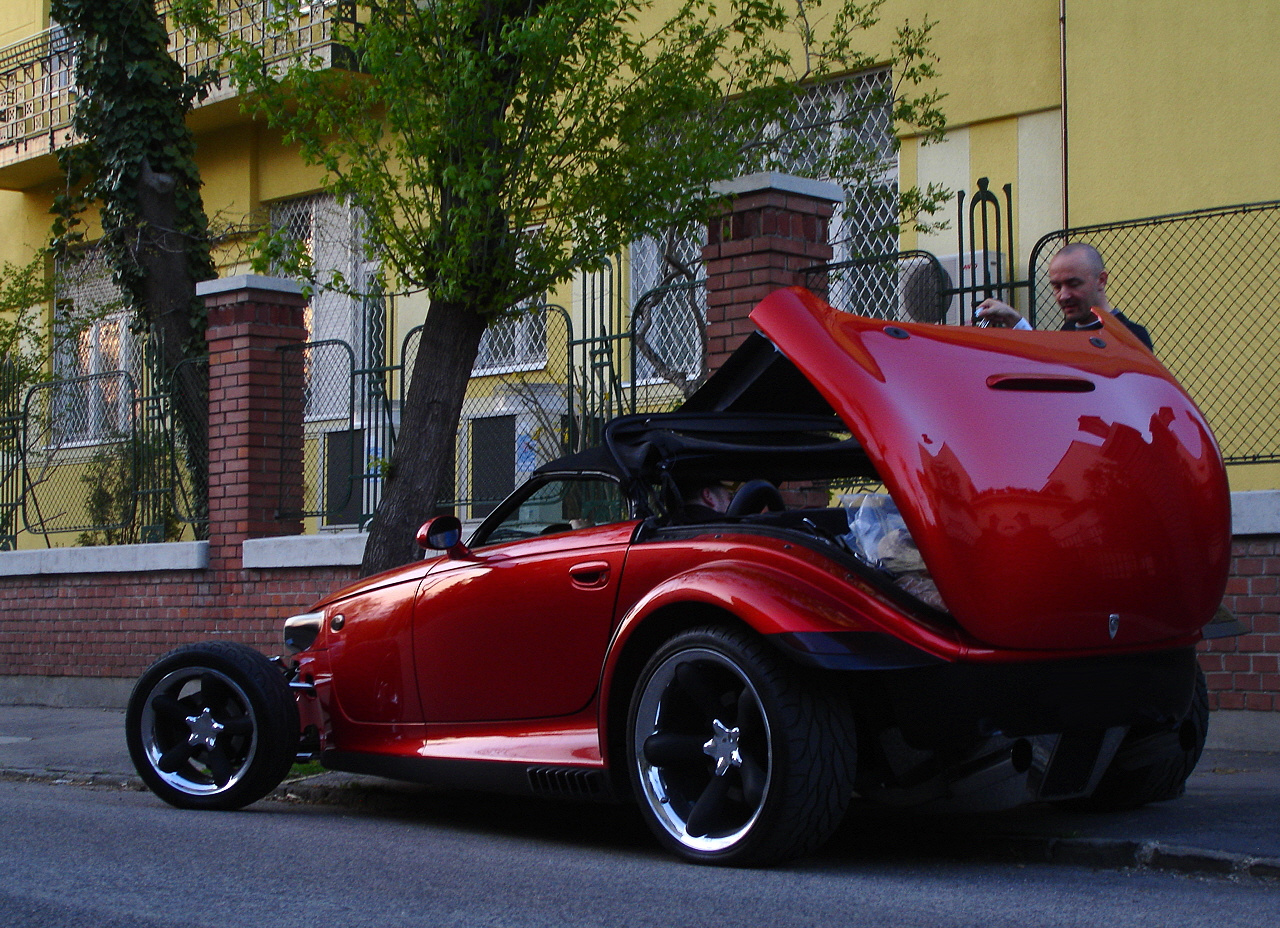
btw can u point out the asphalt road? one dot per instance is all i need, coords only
(77, 856)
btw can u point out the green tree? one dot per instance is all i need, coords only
(135, 165)
(24, 330)
(499, 147)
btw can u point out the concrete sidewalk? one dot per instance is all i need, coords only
(1228, 823)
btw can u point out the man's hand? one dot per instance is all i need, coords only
(993, 312)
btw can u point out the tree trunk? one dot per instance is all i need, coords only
(426, 439)
(168, 304)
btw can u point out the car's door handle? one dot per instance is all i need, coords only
(590, 576)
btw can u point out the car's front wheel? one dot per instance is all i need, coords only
(212, 726)
(733, 758)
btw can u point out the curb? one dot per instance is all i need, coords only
(1095, 853)
(1121, 854)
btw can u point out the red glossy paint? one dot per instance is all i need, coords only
(1041, 512)
(518, 631)
(370, 649)
(771, 585)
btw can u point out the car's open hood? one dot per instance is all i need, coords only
(1064, 490)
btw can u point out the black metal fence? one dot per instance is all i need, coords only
(12, 388)
(107, 458)
(538, 391)
(518, 413)
(1202, 282)
(907, 285)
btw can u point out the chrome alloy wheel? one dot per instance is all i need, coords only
(702, 749)
(198, 732)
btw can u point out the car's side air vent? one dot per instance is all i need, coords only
(1040, 383)
(568, 783)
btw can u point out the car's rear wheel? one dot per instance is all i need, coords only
(1153, 763)
(212, 726)
(733, 758)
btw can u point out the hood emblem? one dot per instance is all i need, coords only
(1113, 624)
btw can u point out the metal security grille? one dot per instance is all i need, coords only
(669, 338)
(349, 425)
(669, 323)
(866, 222)
(669, 308)
(143, 480)
(75, 483)
(12, 389)
(516, 343)
(103, 448)
(1204, 284)
(92, 340)
(909, 286)
(345, 304)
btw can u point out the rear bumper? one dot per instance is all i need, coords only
(954, 702)
(935, 702)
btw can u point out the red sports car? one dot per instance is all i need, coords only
(962, 566)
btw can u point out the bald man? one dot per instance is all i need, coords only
(1079, 281)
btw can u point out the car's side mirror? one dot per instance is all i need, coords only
(443, 533)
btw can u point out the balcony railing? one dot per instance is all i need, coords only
(37, 76)
(36, 93)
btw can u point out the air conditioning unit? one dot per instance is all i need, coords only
(922, 295)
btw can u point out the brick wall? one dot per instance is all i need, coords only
(1244, 672)
(774, 227)
(116, 624)
(112, 624)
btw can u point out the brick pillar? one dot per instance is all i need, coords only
(774, 226)
(255, 412)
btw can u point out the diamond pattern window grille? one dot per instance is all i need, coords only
(95, 352)
(670, 346)
(516, 343)
(329, 234)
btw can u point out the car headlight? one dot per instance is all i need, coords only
(301, 631)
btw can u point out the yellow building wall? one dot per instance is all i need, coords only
(1171, 106)
(20, 19)
(25, 218)
(996, 59)
(998, 69)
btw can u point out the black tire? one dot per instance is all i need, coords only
(1153, 763)
(734, 759)
(212, 726)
